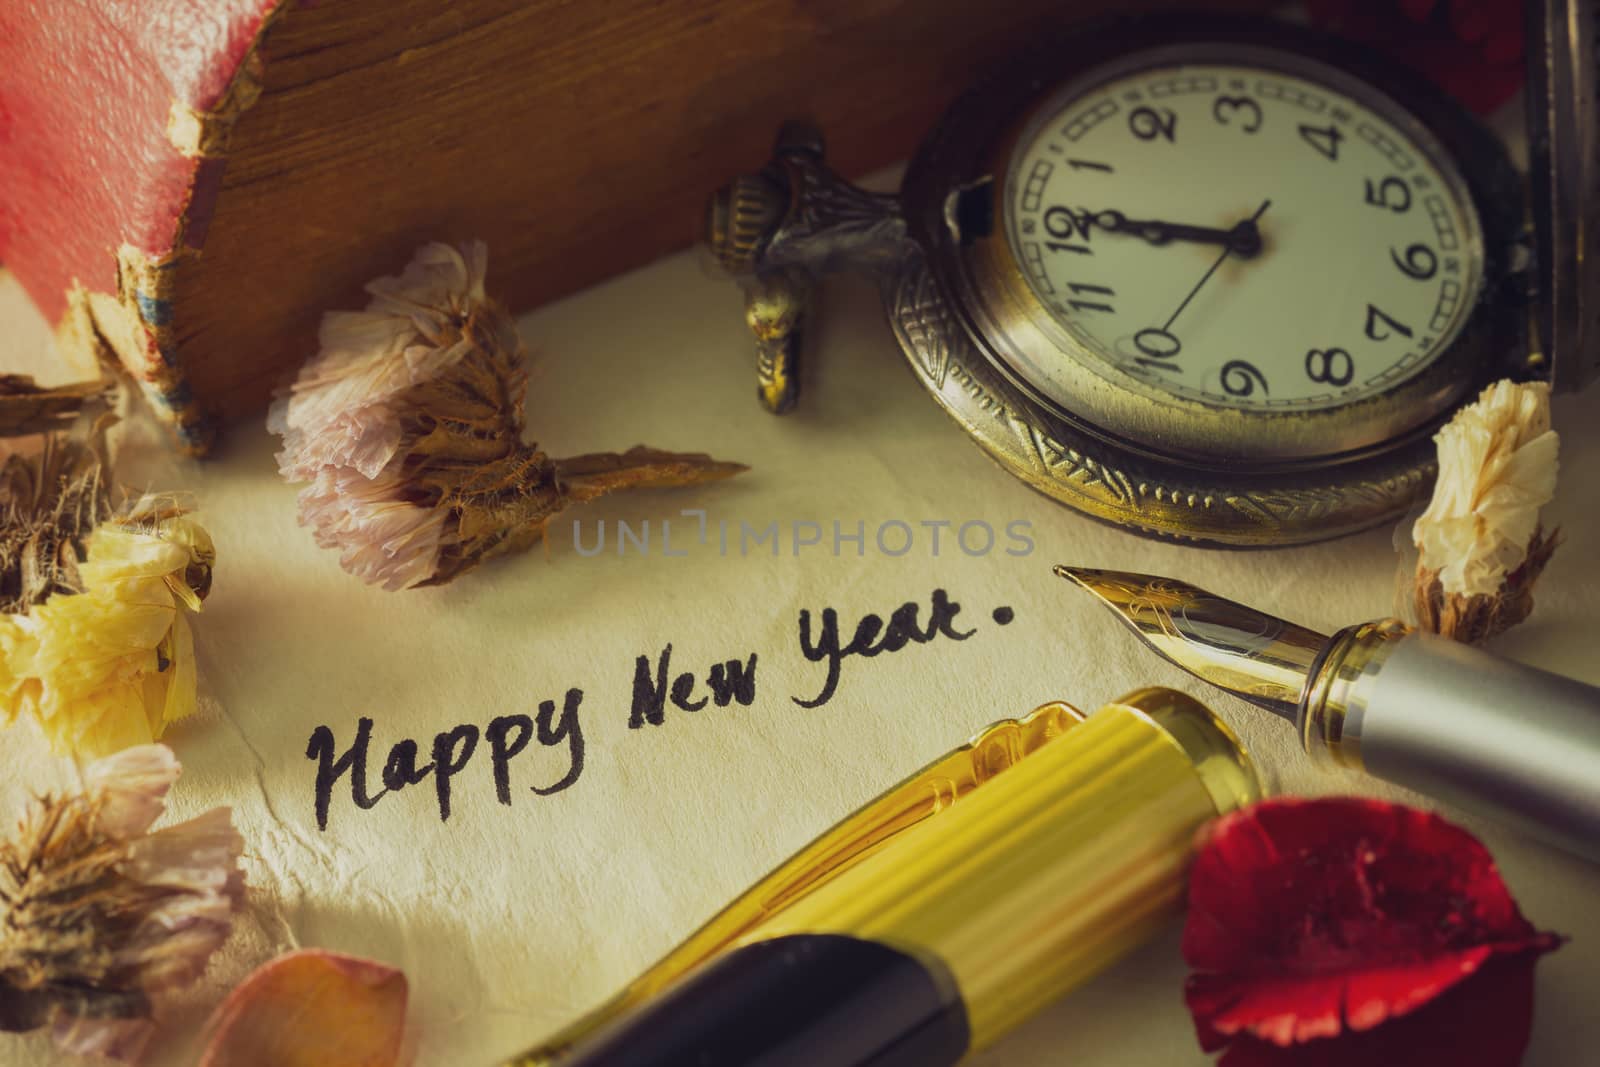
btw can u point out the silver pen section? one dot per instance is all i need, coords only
(1459, 724)
(1473, 729)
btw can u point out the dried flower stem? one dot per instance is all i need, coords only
(27, 408)
(53, 493)
(1477, 618)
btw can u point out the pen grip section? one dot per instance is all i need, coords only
(1493, 736)
(795, 1001)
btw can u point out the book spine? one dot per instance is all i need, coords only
(114, 121)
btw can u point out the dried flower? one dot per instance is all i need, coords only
(308, 1009)
(99, 917)
(54, 492)
(111, 666)
(1481, 546)
(408, 426)
(1344, 931)
(95, 588)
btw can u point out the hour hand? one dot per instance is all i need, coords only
(1243, 239)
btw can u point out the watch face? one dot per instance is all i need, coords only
(1241, 235)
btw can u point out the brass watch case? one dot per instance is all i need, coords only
(1007, 320)
(955, 300)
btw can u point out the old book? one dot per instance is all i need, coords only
(185, 185)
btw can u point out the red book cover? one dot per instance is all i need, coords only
(109, 110)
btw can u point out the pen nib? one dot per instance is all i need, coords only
(1246, 652)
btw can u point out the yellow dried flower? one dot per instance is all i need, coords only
(111, 666)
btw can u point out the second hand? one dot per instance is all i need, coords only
(1226, 252)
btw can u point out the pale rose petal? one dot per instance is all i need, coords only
(122, 1040)
(311, 1009)
(382, 539)
(132, 786)
(365, 438)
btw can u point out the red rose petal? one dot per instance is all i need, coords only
(1482, 1023)
(1316, 922)
(1287, 1010)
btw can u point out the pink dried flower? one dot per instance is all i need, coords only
(408, 426)
(99, 917)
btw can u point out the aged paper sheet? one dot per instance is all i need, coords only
(509, 919)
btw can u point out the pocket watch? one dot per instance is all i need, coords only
(1211, 279)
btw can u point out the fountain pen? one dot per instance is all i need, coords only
(930, 922)
(1448, 720)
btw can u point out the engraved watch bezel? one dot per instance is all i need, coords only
(1129, 488)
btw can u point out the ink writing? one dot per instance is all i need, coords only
(727, 682)
(872, 637)
(506, 736)
(458, 753)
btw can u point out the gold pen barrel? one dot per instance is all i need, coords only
(1074, 856)
(1011, 870)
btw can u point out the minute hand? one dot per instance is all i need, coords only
(1226, 252)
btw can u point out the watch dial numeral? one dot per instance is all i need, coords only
(1374, 317)
(1062, 223)
(1157, 343)
(1240, 378)
(1420, 262)
(1244, 108)
(1296, 250)
(1392, 193)
(1324, 139)
(1330, 365)
(1149, 123)
(1082, 288)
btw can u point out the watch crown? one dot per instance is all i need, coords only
(741, 218)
